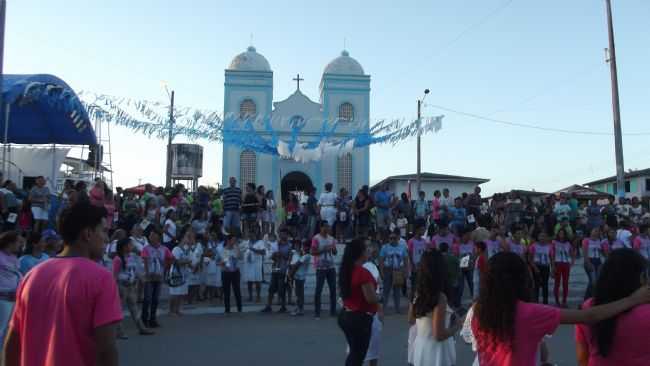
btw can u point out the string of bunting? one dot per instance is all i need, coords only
(265, 135)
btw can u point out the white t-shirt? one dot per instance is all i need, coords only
(327, 199)
(171, 229)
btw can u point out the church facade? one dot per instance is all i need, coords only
(344, 97)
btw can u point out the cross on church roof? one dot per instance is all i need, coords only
(297, 79)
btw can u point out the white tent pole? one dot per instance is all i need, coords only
(4, 147)
(54, 182)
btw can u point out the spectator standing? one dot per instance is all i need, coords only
(384, 204)
(10, 276)
(80, 296)
(281, 257)
(327, 204)
(249, 209)
(421, 209)
(157, 259)
(311, 212)
(361, 210)
(232, 199)
(231, 275)
(39, 197)
(323, 249)
(393, 265)
(10, 205)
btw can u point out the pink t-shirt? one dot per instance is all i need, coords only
(561, 252)
(58, 306)
(435, 209)
(438, 239)
(642, 245)
(631, 342)
(532, 323)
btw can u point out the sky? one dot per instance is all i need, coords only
(533, 62)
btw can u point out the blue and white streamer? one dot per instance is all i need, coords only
(258, 134)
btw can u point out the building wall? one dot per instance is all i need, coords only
(456, 189)
(639, 187)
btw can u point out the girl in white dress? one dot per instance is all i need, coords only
(254, 258)
(211, 269)
(196, 256)
(434, 344)
(182, 260)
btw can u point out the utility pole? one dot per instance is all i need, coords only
(419, 172)
(168, 181)
(618, 138)
(3, 10)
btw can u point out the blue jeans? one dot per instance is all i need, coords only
(150, 302)
(388, 287)
(592, 276)
(231, 219)
(321, 276)
(467, 275)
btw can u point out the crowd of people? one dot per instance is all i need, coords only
(206, 245)
(504, 250)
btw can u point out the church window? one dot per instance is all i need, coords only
(247, 167)
(344, 172)
(346, 112)
(297, 122)
(247, 109)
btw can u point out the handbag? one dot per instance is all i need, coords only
(175, 277)
(398, 278)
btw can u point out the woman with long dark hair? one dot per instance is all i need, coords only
(434, 344)
(358, 291)
(619, 340)
(509, 328)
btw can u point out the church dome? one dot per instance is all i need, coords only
(249, 61)
(344, 65)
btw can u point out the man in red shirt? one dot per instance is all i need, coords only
(67, 308)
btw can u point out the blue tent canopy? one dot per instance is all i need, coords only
(43, 109)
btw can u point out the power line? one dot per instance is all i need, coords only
(472, 26)
(544, 91)
(530, 125)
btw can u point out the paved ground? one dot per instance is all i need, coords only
(260, 339)
(205, 336)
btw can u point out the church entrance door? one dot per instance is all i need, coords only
(297, 183)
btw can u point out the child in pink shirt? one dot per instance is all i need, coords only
(509, 329)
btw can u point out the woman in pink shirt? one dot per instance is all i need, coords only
(563, 255)
(509, 328)
(623, 339)
(435, 207)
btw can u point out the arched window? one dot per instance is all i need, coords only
(247, 168)
(344, 172)
(346, 112)
(297, 122)
(247, 109)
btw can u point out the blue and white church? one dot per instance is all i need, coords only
(344, 97)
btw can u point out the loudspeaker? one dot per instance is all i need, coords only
(95, 155)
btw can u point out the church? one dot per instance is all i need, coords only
(344, 97)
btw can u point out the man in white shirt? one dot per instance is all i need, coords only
(327, 204)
